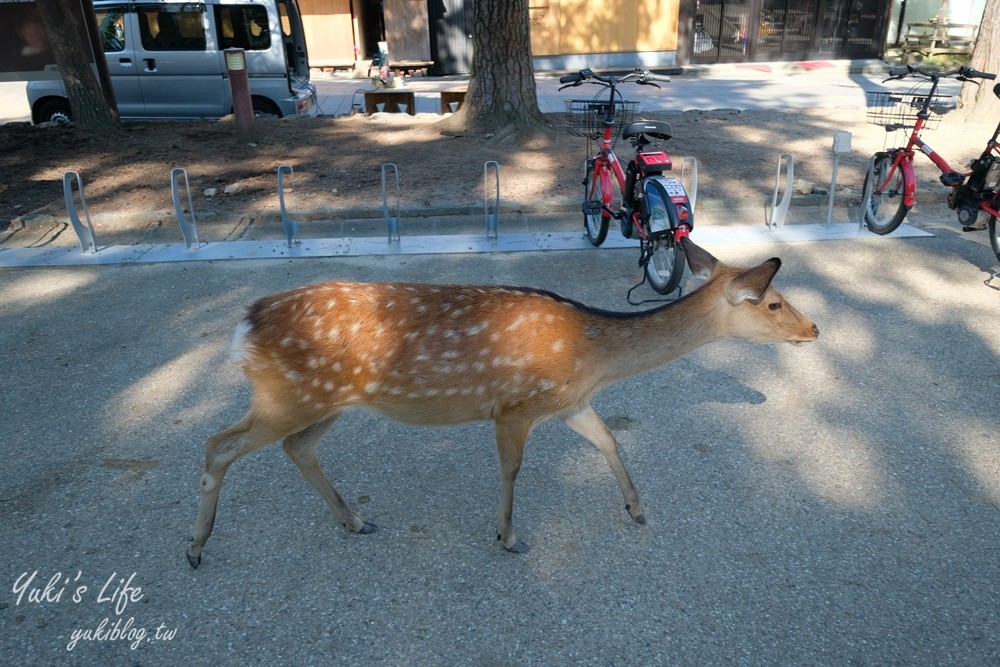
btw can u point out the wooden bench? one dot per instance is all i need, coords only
(930, 39)
(451, 96)
(390, 101)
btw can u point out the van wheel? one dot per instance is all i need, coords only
(55, 111)
(265, 109)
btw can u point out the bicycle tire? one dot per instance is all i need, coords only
(994, 235)
(884, 211)
(665, 264)
(595, 226)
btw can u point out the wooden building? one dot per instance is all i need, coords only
(567, 34)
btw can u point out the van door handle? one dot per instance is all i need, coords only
(125, 63)
(150, 64)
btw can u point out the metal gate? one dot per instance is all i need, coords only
(762, 30)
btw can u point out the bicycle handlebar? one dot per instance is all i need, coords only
(964, 72)
(640, 76)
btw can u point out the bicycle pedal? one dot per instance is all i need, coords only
(592, 207)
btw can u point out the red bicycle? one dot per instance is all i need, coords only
(891, 185)
(653, 208)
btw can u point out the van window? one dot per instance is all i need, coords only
(243, 26)
(111, 25)
(172, 28)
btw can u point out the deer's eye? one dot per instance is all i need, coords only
(774, 306)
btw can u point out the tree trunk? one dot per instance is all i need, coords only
(501, 98)
(86, 99)
(985, 58)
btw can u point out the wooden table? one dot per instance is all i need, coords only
(390, 101)
(451, 96)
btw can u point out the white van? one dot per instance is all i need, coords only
(166, 59)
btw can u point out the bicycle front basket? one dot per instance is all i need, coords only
(586, 117)
(899, 110)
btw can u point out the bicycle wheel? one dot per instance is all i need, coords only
(595, 218)
(884, 208)
(665, 266)
(994, 235)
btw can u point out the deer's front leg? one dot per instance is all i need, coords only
(589, 425)
(511, 435)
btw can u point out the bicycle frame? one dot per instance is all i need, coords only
(903, 159)
(607, 165)
(654, 208)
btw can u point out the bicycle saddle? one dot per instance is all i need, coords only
(653, 128)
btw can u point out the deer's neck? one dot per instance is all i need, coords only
(638, 344)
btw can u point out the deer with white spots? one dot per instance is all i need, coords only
(446, 354)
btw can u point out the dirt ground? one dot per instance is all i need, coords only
(337, 164)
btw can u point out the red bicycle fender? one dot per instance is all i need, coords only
(909, 183)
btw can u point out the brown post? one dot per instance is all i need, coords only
(236, 65)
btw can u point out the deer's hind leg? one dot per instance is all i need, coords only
(301, 449)
(589, 425)
(223, 448)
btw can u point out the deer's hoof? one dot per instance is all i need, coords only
(367, 529)
(193, 560)
(640, 519)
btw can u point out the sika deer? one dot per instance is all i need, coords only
(445, 354)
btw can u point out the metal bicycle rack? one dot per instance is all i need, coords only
(492, 213)
(90, 254)
(85, 233)
(391, 220)
(776, 220)
(689, 173)
(841, 145)
(866, 193)
(291, 226)
(189, 229)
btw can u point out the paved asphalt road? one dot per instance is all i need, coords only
(830, 504)
(836, 503)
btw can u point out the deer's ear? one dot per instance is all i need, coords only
(699, 260)
(752, 283)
